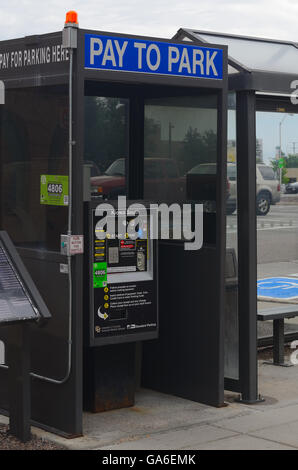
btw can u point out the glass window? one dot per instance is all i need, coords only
(231, 271)
(33, 142)
(117, 168)
(203, 169)
(180, 148)
(232, 171)
(277, 214)
(152, 169)
(267, 172)
(107, 144)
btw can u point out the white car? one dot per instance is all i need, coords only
(268, 188)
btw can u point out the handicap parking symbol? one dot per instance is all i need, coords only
(278, 288)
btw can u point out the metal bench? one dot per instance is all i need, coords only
(278, 316)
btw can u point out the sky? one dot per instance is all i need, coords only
(267, 128)
(161, 18)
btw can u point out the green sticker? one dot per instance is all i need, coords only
(54, 190)
(99, 275)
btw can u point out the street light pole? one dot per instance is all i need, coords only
(280, 124)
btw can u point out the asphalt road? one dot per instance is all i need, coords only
(277, 232)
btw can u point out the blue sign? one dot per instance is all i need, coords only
(144, 56)
(282, 288)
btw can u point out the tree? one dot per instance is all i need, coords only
(106, 130)
(275, 166)
(292, 161)
(198, 148)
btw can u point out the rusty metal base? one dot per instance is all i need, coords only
(109, 377)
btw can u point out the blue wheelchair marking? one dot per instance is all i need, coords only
(278, 288)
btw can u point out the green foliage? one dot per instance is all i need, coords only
(274, 164)
(198, 148)
(292, 161)
(105, 130)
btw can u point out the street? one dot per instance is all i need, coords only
(277, 232)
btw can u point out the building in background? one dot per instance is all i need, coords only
(231, 155)
(259, 151)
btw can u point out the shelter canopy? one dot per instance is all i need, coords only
(261, 64)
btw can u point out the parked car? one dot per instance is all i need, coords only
(291, 188)
(201, 182)
(161, 180)
(268, 188)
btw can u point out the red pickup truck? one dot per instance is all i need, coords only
(161, 180)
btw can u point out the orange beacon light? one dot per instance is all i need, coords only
(70, 30)
(71, 17)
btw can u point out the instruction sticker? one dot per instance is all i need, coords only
(54, 190)
(99, 274)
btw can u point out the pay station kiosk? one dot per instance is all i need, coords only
(123, 275)
(147, 116)
(121, 291)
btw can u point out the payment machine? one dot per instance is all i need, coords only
(121, 294)
(122, 276)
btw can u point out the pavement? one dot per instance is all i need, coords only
(164, 422)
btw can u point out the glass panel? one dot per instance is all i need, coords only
(231, 323)
(34, 141)
(267, 173)
(180, 146)
(262, 55)
(106, 144)
(180, 149)
(232, 70)
(277, 220)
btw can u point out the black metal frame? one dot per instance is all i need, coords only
(138, 87)
(57, 73)
(249, 85)
(71, 392)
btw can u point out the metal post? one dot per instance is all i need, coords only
(278, 341)
(18, 361)
(279, 344)
(247, 245)
(280, 169)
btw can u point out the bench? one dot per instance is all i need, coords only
(278, 315)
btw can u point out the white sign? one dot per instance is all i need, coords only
(76, 246)
(33, 56)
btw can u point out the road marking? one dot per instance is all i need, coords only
(278, 288)
(262, 229)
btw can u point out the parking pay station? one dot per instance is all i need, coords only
(122, 270)
(92, 118)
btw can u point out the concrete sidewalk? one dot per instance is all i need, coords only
(159, 421)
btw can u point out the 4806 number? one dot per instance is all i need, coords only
(55, 188)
